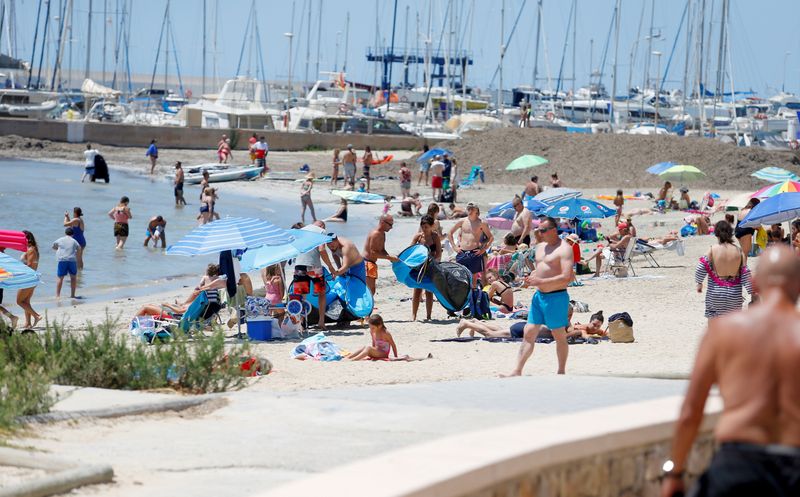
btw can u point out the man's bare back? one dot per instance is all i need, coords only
(521, 220)
(349, 157)
(532, 189)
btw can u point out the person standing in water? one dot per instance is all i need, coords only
(152, 154)
(88, 167)
(66, 253)
(179, 177)
(305, 198)
(24, 295)
(121, 214)
(156, 230)
(78, 229)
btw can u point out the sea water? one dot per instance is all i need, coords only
(35, 195)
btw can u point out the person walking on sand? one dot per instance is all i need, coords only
(727, 274)
(152, 154)
(550, 304)
(429, 237)
(367, 160)
(349, 160)
(752, 357)
(251, 148)
(382, 342)
(261, 149)
(474, 239)
(305, 198)
(24, 295)
(78, 230)
(405, 180)
(337, 162)
(121, 214)
(375, 248)
(223, 149)
(66, 254)
(178, 182)
(156, 230)
(88, 165)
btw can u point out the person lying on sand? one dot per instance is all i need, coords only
(382, 342)
(594, 328)
(516, 329)
(456, 212)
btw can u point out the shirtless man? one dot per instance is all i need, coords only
(437, 181)
(617, 248)
(347, 257)
(156, 231)
(456, 212)
(474, 239)
(349, 160)
(752, 356)
(532, 187)
(521, 226)
(178, 183)
(375, 248)
(550, 304)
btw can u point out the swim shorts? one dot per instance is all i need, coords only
(359, 270)
(471, 260)
(405, 185)
(349, 170)
(372, 270)
(424, 167)
(750, 469)
(120, 229)
(366, 171)
(436, 182)
(318, 279)
(742, 232)
(549, 309)
(67, 267)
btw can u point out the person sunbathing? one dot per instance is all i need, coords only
(212, 280)
(594, 328)
(615, 249)
(491, 329)
(500, 293)
(456, 212)
(382, 342)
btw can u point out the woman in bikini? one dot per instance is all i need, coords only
(725, 266)
(341, 215)
(427, 236)
(382, 342)
(206, 206)
(305, 198)
(78, 228)
(745, 235)
(121, 214)
(500, 293)
(336, 163)
(30, 259)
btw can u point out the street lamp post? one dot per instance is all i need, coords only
(658, 89)
(783, 81)
(289, 82)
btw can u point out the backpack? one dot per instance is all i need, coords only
(446, 196)
(479, 305)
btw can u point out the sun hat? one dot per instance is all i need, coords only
(622, 226)
(573, 238)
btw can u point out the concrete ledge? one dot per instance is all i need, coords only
(474, 463)
(119, 411)
(66, 475)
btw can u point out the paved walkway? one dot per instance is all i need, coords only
(260, 440)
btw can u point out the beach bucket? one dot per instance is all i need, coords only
(619, 332)
(259, 329)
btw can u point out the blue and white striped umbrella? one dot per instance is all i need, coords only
(507, 208)
(775, 175)
(304, 241)
(233, 233)
(553, 195)
(15, 275)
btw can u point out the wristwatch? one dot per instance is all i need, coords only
(668, 470)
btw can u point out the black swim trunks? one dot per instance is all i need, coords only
(120, 229)
(744, 469)
(471, 260)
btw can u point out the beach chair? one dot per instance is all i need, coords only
(475, 173)
(614, 265)
(203, 310)
(648, 251)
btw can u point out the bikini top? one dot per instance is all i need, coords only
(708, 263)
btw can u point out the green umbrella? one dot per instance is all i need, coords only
(682, 173)
(525, 162)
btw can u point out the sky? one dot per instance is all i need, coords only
(761, 34)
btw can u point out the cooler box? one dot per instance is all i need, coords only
(259, 328)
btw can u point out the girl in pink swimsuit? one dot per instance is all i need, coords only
(382, 342)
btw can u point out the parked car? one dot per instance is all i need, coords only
(375, 126)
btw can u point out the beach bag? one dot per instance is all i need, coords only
(620, 332)
(479, 305)
(446, 196)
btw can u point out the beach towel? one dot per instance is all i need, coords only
(318, 348)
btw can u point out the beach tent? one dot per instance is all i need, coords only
(775, 175)
(778, 209)
(526, 162)
(681, 173)
(660, 167)
(578, 208)
(777, 188)
(430, 154)
(15, 275)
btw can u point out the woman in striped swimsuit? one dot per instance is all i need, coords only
(724, 265)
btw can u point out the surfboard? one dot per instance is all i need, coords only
(359, 197)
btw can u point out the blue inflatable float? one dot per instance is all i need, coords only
(449, 281)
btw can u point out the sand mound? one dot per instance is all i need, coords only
(605, 160)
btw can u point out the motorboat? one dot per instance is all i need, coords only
(218, 173)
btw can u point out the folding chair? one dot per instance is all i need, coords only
(614, 265)
(474, 173)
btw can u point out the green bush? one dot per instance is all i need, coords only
(99, 357)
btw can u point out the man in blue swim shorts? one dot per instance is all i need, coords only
(67, 254)
(550, 304)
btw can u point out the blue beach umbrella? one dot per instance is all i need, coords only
(553, 195)
(778, 209)
(660, 167)
(502, 209)
(304, 241)
(579, 208)
(15, 275)
(233, 233)
(430, 154)
(775, 175)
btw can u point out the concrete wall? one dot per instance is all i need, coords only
(611, 452)
(125, 135)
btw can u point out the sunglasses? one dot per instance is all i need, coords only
(544, 230)
(390, 224)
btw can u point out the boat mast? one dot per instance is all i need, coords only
(646, 80)
(689, 33)
(635, 48)
(502, 54)
(617, 15)
(346, 41)
(308, 43)
(387, 85)
(205, 30)
(536, 50)
(720, 87)
(701, 108)
(88, 41)
(574, 46)
(105, 37)
(60, 49)
(35, 38)
(465, 61)
(319, 38)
